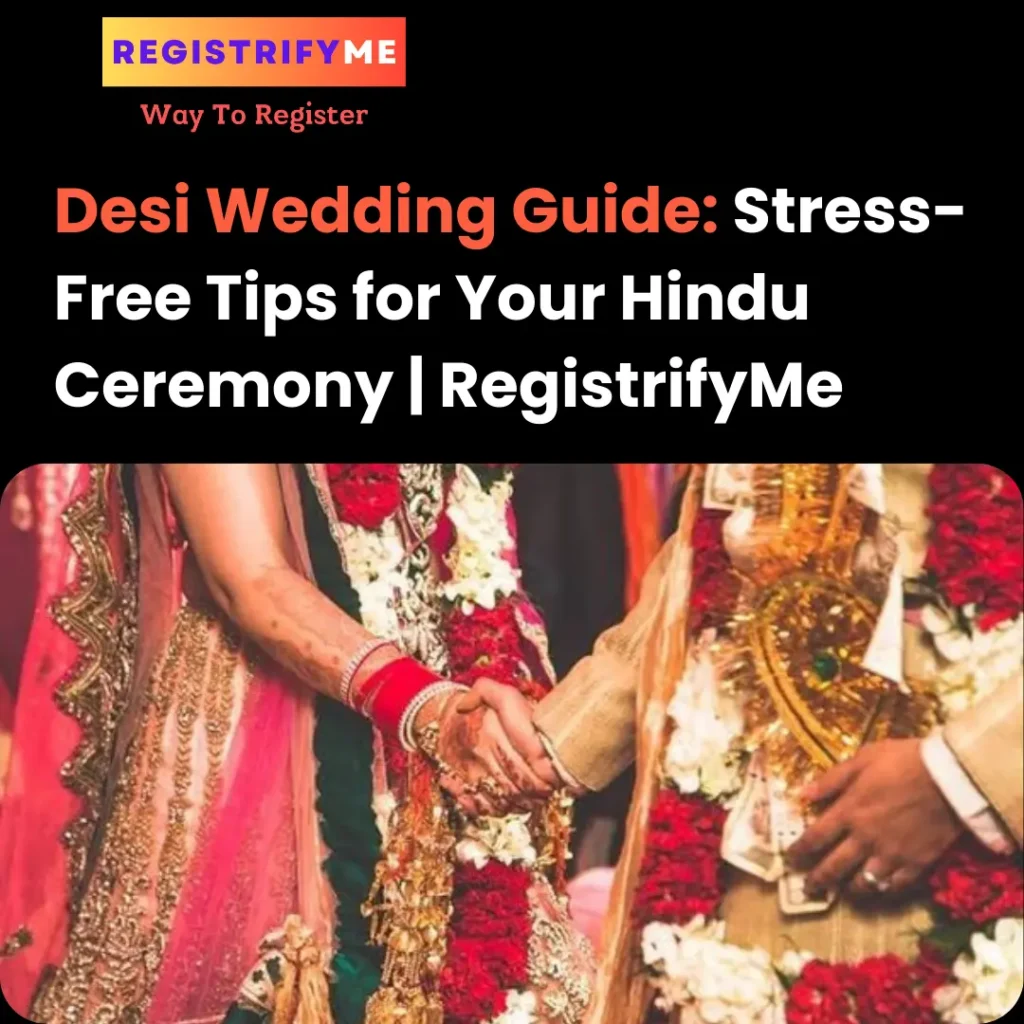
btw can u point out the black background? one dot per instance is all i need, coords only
(503, 101)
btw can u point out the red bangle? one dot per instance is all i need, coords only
(389, 691)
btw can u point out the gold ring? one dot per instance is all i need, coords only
(492, 788)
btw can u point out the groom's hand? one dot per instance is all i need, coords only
(885, 824)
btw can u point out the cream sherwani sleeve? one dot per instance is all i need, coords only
(988, 741)
(590, 717)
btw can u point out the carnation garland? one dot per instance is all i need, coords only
(486, 974)
(970, 967)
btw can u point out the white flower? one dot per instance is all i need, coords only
(384, 805)
(971, 663)
(505, 839)
(792, 963)
(711, 980)
(989, 979)
(701, 754)
(373, 560)
(520, 1008)
(480, 572)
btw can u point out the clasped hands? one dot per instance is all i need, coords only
(490, 756)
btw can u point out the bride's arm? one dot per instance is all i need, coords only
(235, 521)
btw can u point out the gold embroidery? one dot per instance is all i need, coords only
(418, 606)
(804, 621)
(535, 635)
(98, 614)
(119, 935)
(561, 963)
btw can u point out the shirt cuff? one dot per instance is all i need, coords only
(570, 781)
(963, 796)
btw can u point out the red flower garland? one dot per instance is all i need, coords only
(879, 990)
(681, 874)
(976, 552)
(489, 933)
(488, 644)
(976, 555)
(714, 587)
(488, 942)
(973, 884)
(365, 493)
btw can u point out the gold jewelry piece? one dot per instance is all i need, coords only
(490, 786)
(407, 723)
(804, 622)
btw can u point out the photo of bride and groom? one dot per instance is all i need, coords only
(303, 742)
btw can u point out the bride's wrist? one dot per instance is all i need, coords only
(419, 726)
(387, 695)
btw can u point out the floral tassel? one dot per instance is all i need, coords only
(289, 984)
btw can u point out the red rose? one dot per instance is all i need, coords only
(976, 552)
(489, 936)
(714, 586)
(488, 644)
(364, 493)
(469, 991)
(879, 990)
(973, 884)
(681, 873)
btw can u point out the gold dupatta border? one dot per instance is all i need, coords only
(99, 614)
(622, 995)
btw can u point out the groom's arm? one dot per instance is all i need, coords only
(988, 742)
(589, 719)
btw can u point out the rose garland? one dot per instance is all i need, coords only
(486, 976)
(488, 949)
(975, 587)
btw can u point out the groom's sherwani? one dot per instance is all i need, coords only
(590, 720)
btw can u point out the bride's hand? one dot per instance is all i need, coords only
(488, 751)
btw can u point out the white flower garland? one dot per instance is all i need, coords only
(989, 979)
(373, 559)
(506, 840)
(520, 1008)
(695, 970)
(480, 572)
(702, 753)
(712, 982)
(970, 662)
(480, 575)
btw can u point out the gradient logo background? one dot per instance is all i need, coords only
(209, 52)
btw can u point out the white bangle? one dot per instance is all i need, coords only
(416, 705)
(348, 676)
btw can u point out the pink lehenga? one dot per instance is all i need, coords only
(171, 829)
(195, 755)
